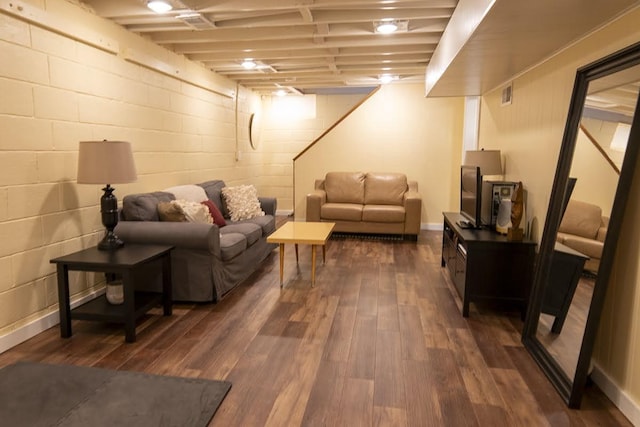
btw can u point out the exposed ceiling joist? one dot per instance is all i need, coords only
(308, 44)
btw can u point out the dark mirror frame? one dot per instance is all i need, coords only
(571, 389)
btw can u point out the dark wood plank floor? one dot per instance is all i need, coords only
(380, 340)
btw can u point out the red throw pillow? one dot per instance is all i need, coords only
(218, 219)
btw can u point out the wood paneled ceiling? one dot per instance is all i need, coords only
(316, 46)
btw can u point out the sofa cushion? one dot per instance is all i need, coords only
(215, 213)
(191, 193)
(341, 211)
(169, 211)
(581, 219)
(383, 213)
(213, 189)
(232, 245)
(251, 231)
(143, 207)
(242, 202)
(384, 188)
(194, 211)
(267, 223)
(344, 187)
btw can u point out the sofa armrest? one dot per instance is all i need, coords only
(269, 205)
(187, 235)
(315, 200)
(413, 212)
(602, 233)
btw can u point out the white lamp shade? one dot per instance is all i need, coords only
(105, 162)
(489, 161)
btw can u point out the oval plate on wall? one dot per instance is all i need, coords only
(255, 127)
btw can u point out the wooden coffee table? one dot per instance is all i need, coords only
(309, 233)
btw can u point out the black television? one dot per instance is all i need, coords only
(470, 196)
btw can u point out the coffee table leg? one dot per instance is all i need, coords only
(297, 254)
(167, 285)
(281, 263)
(324, 254)
(313, 265)
(129, 307)
(63, 301)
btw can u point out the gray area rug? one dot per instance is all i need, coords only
(36, 394)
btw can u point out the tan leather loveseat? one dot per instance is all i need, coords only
(358, 202)
(583, 228)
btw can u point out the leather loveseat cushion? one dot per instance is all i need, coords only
(581, 219)
(344, 187)
(385, 189)
(341, 211)
(589, 247)
(383, 213)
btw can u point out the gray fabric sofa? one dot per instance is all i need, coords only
(208, 261)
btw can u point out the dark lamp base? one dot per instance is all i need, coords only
(110, 242)
(109, 211)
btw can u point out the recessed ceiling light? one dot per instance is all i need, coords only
(387, 78)
(386, 26)
(249, 64)
(159, 6)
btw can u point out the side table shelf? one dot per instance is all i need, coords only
(100, 309)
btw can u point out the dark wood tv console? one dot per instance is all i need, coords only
(485, 266)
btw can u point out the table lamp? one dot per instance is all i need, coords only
(489, 161)
(106, 162)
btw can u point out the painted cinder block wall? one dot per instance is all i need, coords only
(60, 86)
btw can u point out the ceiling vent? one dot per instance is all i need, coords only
(195, 20)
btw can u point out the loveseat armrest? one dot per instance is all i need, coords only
(315, 200)
(187, 235)
(413, 211)
(269, 205)
(602, 233)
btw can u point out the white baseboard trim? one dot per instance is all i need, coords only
(39, 325)
(619, 397)
(438, 226)
(284, 212)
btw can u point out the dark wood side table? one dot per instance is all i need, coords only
(124, 261)
(485, 266)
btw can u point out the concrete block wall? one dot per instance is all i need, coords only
(57, 90)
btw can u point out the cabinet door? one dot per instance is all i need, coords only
(460, 270)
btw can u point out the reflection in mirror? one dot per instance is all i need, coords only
(579, 237)
(597, 160)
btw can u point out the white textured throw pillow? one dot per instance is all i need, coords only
(242, 202)
(194, 211)
(190, 192)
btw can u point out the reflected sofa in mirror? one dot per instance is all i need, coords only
(588, 198)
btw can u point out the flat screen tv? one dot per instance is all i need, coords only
(470, 196)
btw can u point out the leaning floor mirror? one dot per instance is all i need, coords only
(590, 190)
